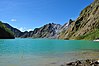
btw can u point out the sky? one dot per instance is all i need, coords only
(30, 14)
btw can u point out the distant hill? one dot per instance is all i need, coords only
(17, 32)
(86, 26)
(50, 30)
(5, 33)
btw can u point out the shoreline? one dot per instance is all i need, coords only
(96, 40)
(88, 62)
(81, 59)
(69, 59)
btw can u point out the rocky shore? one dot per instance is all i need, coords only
(96, 40)
(88, 62)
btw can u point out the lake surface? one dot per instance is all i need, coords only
(45, 52)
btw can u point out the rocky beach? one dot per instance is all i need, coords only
(88, 62)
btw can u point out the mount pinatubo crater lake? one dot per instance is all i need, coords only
(45, 52)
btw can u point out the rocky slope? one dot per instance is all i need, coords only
(50, 30)
(86, 26)
(17, 33)
(47, 31)
(88, 62)
(5, 33)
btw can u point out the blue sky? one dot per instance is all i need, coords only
(30, 14)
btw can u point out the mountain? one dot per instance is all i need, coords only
(5, 33)
(17, 33)
(65, 26)
(47, 31)
(86, 26)
(50, 30)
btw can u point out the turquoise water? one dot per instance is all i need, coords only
(40, 52)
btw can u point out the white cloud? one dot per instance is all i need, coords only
(51, 22)
(13, 20)
(30, 30)
(22, 29)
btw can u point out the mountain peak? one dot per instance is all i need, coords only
(85, 24)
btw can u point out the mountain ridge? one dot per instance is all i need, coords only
(85, 24)
(50, 30)
(86, 27)
(5, 33)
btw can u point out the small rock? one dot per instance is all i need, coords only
(79, 62)
(61, 65)
(96, 62)
(70, 63)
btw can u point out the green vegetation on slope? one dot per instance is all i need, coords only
(86, 26)
(90, 36)
(5, 33)
(5, 28)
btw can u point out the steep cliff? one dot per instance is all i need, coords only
(47, 31)
(17, 33)
(50, 30)
(86, 26)
(5, 33)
